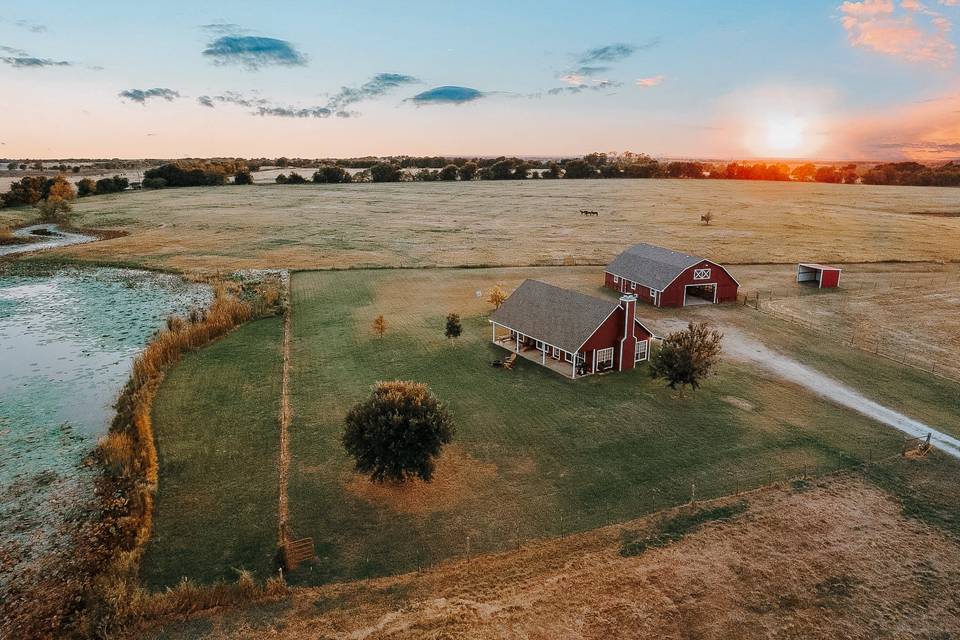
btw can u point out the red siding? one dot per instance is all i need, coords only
(829, 279)
(672, 296)
(608, 335)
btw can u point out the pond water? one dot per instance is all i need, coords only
(67, 340)
(44, 236)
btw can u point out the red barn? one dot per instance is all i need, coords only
(570, 332)
(666, 278)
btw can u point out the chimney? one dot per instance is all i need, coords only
(628, 341)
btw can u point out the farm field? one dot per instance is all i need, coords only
(515, 223)
(535, 455)
(215, 424)
(835, 558)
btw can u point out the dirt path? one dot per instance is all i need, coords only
(283, 511)
(749, 349)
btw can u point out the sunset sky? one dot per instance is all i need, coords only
(873, 79)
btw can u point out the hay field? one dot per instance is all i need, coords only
(834, 560)
(517, 223)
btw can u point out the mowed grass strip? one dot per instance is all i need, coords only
(215, 423)
(535, 454)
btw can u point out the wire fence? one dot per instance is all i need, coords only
(502, 527)
(928, 279)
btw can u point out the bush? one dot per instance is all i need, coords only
(578, 169)
(448, 173)
(243, 177)
(398, 432)
(295, 178)
(687, 357)
(385, 172)
(111, 185)
(86, 187)
(154, 183)
(454, 328)
(331, 174)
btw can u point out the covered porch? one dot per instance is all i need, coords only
(565, 363)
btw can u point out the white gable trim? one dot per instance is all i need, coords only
(719, 266)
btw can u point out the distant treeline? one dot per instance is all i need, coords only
(31, 190)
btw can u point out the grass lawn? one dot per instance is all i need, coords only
(535, 454)
(216, 425)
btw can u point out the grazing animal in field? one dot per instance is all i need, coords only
(584, 212)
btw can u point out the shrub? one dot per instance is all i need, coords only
(154, 183)
(385, 172)
(331, 174)
(688, 356)
(496, 296)
(454, 328)
(86, 187)
(295, 178)
(243, 177)
(398, 432)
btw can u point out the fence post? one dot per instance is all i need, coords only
(693, 492)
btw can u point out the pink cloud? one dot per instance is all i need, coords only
(652, 81)
(915, 33)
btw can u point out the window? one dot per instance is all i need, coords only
(701, 274)
(605, 358)
(568, 356)
(641, 351)
(556, 352)
(616, 279)
(539, 345)
(653, 294)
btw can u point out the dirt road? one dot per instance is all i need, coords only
(749, 349)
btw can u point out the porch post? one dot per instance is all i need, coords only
(518, 342)
(494, 325)
(574, 368)
(543, 355)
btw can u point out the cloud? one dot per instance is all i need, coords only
(294, 112)
(609, 53)
(652, 81)
(33, 27)
(205, 101)
(590, 85)
(912, 31)
(377, 86)
(142, 95)
(224, 28)
(448, 94)
(20, 59)
(254, 52)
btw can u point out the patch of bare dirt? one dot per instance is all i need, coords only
(836, 560)
(458, 477)
(739, 403)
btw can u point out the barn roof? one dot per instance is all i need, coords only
(651, 266)
(557, 316)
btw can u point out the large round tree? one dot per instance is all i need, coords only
(397, 432)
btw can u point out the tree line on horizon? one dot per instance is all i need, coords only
(29, 190)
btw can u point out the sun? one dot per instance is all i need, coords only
(785, 134)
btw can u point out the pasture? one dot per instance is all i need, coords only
(535, 455)
(515, 223)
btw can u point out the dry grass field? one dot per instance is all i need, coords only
(834, 559)
(510, 223)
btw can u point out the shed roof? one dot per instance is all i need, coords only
(821, 267)
(651, 265)
(557, 316)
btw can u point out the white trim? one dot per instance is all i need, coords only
(646, 350)
(595, 329)
(598, 356)
(705, 284)
(719, 266)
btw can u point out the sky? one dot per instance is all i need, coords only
(861, 79)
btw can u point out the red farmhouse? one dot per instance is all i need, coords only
(666, 278)
(570, 332)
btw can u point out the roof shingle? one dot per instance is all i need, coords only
(557, 316)
(651, 266)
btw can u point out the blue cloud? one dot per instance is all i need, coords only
(254, 52)
(20, 59)
(142, 95)
(377, 86)
(33, 27)
(293, 112)
(448, 95)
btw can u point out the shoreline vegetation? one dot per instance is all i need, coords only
(96, 592)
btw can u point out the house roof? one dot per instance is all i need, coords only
(652, 266)
(557, 316)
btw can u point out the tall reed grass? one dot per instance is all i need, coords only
(128, 459)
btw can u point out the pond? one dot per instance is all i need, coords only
(44, 236)
(67, 341)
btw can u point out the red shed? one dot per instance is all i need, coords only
(570, 332)
(667, 278)
(821, 275)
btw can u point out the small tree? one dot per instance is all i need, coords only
(243, 177)
(379, 326)
(56, 207)
(496, 296)
(687, 357)
(468, 171)
(398, 432)
(706, 218)
(448, 173)
(454, 328)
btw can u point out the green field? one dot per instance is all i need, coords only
(216, 428)
(535, 454)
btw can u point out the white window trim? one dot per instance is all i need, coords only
(702, 274)
(567, 356)
(616, 279)
(653, 293)
(602, 360)
(637, 355)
